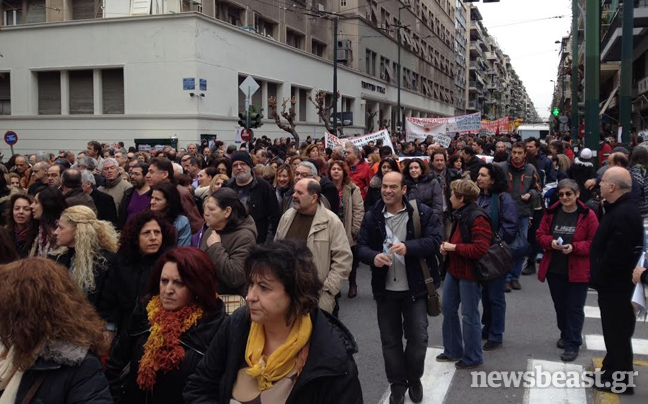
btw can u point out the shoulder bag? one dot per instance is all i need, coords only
(433, 298)
(498, 261)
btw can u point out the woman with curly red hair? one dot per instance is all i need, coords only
(51, 336)
(169, 332)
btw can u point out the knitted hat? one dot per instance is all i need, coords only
(621, 149)
(586, 154)
(242, 156)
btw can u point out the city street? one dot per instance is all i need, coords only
(529, 341)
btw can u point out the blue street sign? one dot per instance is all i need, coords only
(11, 138)
(189, 83)
(203, 84)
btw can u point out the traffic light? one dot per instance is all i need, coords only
(243, 119)
(255, 117)
(555, 112)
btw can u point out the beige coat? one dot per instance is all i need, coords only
(117, 192)
(328, 242)
(353, 211)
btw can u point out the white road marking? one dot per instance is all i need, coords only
(596, 343)
(436, 379)
(544, 395)
(592, 312)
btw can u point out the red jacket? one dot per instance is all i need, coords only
(361, 175)
(579, 261)
(604, 153)
(459, 261)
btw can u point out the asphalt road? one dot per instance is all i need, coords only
(531, 334)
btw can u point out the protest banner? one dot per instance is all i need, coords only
(332, 140)
(499, 126)
(454, 124)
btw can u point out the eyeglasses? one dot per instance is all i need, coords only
(567, 194)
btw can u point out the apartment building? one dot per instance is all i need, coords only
(461, 33)
(122, 69)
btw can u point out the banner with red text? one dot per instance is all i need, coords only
(498, 127)
(332, 140)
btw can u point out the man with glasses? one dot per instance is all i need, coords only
(330, 197)
(256, 194)
(115, 183)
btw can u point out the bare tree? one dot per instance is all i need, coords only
(324, 111)
(289, 115)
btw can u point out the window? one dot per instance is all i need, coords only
(112, 89)
(35, 11)
(370, 62)
(81, 92)
(49, 93)
(343, 3)
(5, 94)
(13, 12)
(264, 27)
(318, 48)
(83, 9)
(294, 39)
(303, 104)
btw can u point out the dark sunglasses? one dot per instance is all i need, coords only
(568, 193)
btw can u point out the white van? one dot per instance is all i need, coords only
(538, 131)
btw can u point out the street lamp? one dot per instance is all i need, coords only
(398, 78)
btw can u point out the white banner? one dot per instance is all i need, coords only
(332, 140)
(424, 158)
(414, 131)
(463, 123)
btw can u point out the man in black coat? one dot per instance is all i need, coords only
(387, 242)
(105, 203)
(473, 163)
(613, 256)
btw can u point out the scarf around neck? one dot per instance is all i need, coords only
(162, 350)
(10, 377)
(269, 369)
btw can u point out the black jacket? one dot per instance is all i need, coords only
(99, 297)
(330, 191)
(473, 165)
(71, 375)
(617, 246)
(329, 376)
(428, 191)
(129, 349)
(78, 197)
(36, 187)
(372, 235)
(105, 206)
(262, 206)
(581, 171)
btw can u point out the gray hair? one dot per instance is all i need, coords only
(568, 183)
(177, 169)
(42, 156)
(88, 162)
(44, 165)
(87, 176)
(310, 166)
(109, 160)
(352, 146)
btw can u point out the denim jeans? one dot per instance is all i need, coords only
(467, 293)
(523, 228)
(397, 312)
(494, 304)
(569, 301)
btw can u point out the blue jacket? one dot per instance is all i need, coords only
(545, 165)
(373, 234)
(507, 223)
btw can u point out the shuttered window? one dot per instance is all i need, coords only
(35, 11)
(5, 94)
(81, 92)
(113, 91)
(49, 93)
(83, 9)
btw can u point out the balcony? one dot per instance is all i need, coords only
(475, 50)
(611, 42)
(476, 31)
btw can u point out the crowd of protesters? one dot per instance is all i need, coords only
(215, 273)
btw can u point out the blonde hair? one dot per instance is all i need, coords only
(91, 236)
(467, 189)
(563, 162)
(216, 178)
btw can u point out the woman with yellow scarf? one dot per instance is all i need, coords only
(280, 348)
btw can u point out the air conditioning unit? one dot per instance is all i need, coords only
(343, 55)
(320, 7)
(345, 44)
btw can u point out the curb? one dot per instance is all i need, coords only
(602, 397)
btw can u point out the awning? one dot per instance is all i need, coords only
(607, 103)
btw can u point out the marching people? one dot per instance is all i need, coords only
(566, 234)
(49, 352)
(614, 253)
(470, 240)
(388, 243)
(323, 232)
(351, 212)
(169, 331)
(502, 211)
(280, 348)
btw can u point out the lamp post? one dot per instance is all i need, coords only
(398, 77)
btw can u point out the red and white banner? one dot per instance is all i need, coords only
(332, 140)
(462, 123)
(498, 127)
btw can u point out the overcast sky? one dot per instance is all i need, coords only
(524, 32)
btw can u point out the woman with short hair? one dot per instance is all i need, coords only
(281, 347)
(165, 199)
(169, 332)
(469, 241)
(51, 337)
(283, 182)
(566, 233)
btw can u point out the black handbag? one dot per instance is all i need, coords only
(497, 262)
(433, 297)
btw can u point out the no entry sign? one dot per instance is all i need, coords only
(11, 138)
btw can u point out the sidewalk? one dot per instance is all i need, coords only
(641, 390)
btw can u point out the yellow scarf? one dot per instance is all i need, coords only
(282, 361)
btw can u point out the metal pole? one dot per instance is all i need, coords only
(574, 71)
(592, 75)
(335, 61)
(625, 97)
(247, 110)
(398, 75)
(562, 80)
